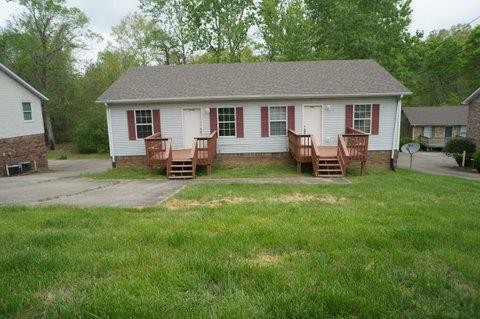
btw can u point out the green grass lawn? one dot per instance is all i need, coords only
(404, 245)
(69, 151)
(219, 171)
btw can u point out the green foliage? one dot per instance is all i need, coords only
(456, 146)
(90, 133)
(405, 140)
(476, 160)
(220, 25)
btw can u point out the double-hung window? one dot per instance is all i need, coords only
(143, 123)
(362, 118)
(226, 121)
(463, 131)
(278, 120)
(428, 131)
(27, 111)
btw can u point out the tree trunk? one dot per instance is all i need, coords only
(48, 128)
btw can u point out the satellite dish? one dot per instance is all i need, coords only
(410, 148)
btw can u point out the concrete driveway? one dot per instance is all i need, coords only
(436, 163)
(62, 185)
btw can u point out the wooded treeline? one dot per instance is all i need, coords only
(40, 43)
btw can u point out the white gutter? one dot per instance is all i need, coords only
(251, 97)
(396, 131)
(110, 133)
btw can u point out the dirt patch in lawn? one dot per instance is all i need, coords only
(284, 199)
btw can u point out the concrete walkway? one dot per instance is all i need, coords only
(436, 163)
(63, 185)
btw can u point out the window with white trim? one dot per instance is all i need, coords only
(226, 121)
(27, 111)
(362, 117)
(278, 120)
(463, 131)
(143, 123)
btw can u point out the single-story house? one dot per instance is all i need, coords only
(22, 135)
(473, 102)
(253, 107)
(432, 126)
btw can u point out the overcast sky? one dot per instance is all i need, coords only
(428, 15)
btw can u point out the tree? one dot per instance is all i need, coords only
(286, 30)
(360, 29)
(133, 37)
(172, 34)
(48, 32)
(220, 25)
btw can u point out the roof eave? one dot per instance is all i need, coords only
(251, 97)
(472, 97)
(22, 82)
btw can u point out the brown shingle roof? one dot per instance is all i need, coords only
(437, 115)
(254, 80)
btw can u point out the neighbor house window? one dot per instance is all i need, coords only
(362, 117)
(448, 132)
(143, 123)
(27, 111)
(463, 131)
(226, 121)
(278, 120)
(428, 131)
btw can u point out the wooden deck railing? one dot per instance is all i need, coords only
(206, 150)
(158, 151)
(433, 142)
(353, 147)
(300, 147)
(315, 155)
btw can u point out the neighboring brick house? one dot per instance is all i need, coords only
(22, 135)
(432, 126)
(473, 102)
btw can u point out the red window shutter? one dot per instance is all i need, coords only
(348, 117)
(264, 121)
(291, 117)
(156, 121)
(132, 132)
(239, 120)
(213, 119)
(375, 119)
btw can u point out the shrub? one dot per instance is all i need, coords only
(90, 134)
(455, 148)
(476, 160)
(405, 140)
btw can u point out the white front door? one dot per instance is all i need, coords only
(312, 121)
(192, 126)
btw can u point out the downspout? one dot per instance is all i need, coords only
(396, 132)
(110, 135)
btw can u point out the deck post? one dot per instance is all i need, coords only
(299, 167)
(209, 169)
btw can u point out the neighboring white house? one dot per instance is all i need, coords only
(22, 135)
(252, 106)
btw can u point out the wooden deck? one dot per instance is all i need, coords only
(329, 161)
(181, 164)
